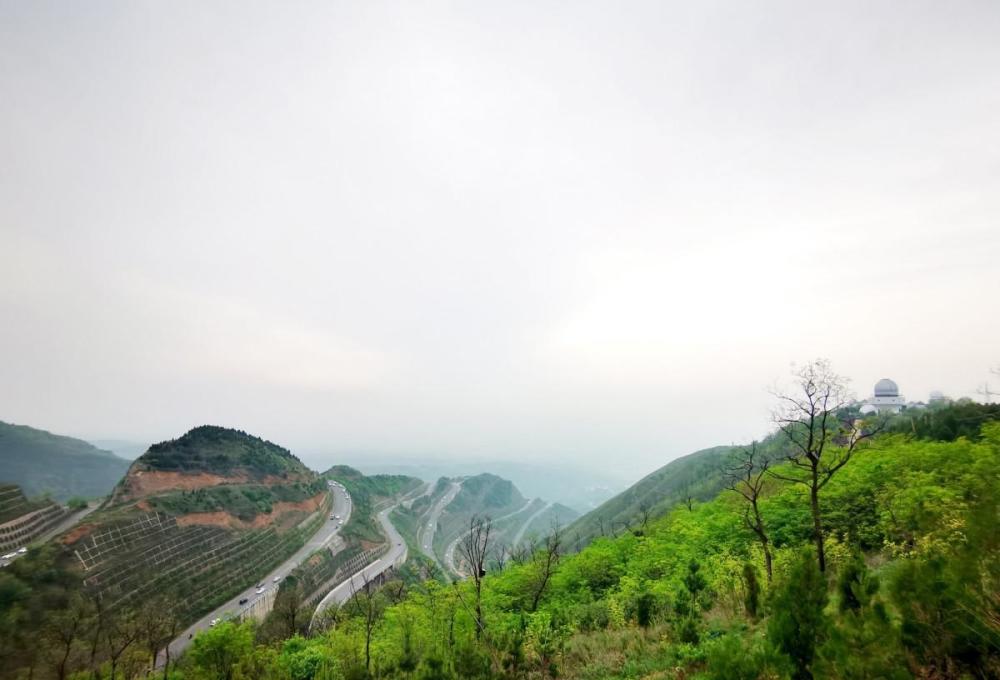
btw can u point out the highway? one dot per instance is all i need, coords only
(395, 557)
(429, 523)
(449, 554)
(232, 608)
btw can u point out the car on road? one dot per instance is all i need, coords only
(214, 622)
(276, 579)
(10, 556)
(260, 590)
(21, 551)
(244, 600)
(332, 517)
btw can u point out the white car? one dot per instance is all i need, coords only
(214, 622)
(260, 591)
(276, 579)
(21, 551)
(10, 556)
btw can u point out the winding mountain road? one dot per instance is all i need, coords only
(428, 526)
(524, 527)
(395, 557)
(449, 553)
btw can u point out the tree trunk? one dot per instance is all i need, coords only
(817, 524)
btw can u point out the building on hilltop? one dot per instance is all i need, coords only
(886, 398)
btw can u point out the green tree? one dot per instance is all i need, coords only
(798, 624)
(862, 643)
(217, 651)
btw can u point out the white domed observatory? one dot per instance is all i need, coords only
(886, 398)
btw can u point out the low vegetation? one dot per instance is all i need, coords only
(911, 589)
(906, 584)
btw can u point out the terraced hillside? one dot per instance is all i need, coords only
(198, 518)
(21, 520)
(44, 463)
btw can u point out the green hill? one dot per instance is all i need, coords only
(63, 467)
(222, 450)
(695, 476)
(199, 518)
(910, 591)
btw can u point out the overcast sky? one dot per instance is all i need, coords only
(583, 232)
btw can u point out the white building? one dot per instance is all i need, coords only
(886, 398)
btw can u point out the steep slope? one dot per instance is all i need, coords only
(696, 476)
(44, 463)
(198, 518)
(693, 478)
(484, 495)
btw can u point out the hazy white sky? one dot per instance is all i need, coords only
(589, 232)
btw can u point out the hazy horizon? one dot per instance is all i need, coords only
(525, 232)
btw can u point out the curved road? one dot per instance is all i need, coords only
(396, 556)
(322, 538)
(524, 527)
(449, 554)
(425, 532)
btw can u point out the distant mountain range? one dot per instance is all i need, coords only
(578, 488)
(63, 467)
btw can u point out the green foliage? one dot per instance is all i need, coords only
(245, 501)
(218, 651)
(863, 642)
(946, 422)
(751, 601)
(76, 503)
(798, 623)
(914, 570)
(732, 657)
(222, 450)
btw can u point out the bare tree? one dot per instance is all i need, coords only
(746, 477)
(501, 554)
(821, 443)
(546, 559)
(328, 618)
(367, 604)
(986, 391)
(521, 553)
(395, 591)
(644, 514)
(687, 496)
(474, 547)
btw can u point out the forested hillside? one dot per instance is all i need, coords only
(911, 588)
(63, 467)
